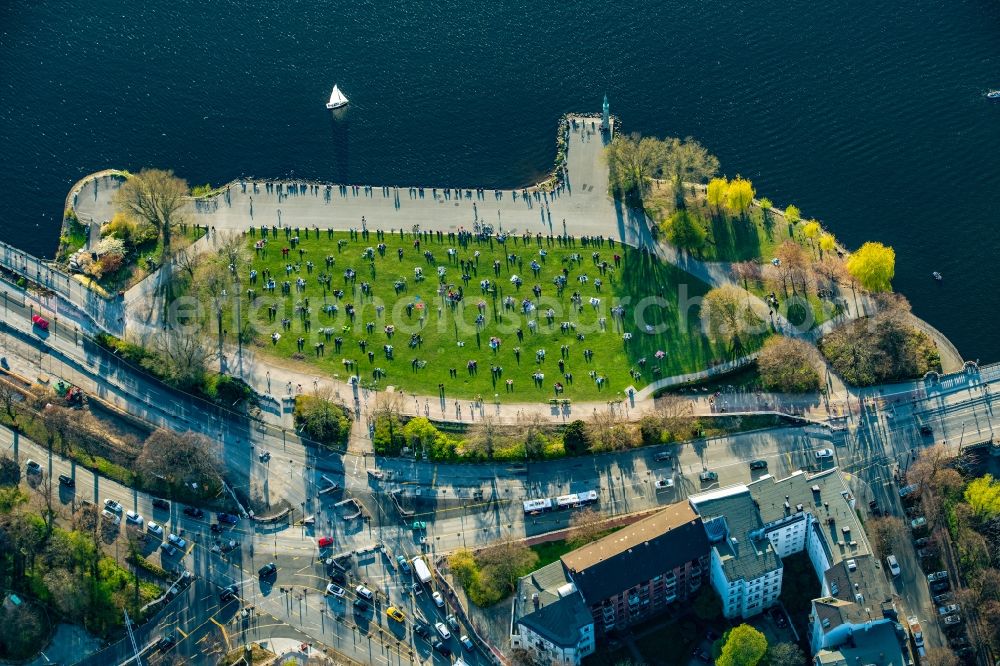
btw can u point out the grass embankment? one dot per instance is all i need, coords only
(753, 236)
(437, 341)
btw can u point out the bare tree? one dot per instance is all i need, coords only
(9, 396)
(180, 460)
(60, 422)
(10, 471)
(584, 527)
(746, 272)
(610, 432)
(794, 264)
(674, 413)
(534, 431)
(187, 355)
(886, 534)
(506, 562)
(940, 656)
(154, 197)
(188, 261)
(486, 436)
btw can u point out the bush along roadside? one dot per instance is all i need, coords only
(395, 435)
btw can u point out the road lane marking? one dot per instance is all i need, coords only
(225, 634)
(181, 632)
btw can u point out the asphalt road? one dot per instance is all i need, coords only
(874, 444)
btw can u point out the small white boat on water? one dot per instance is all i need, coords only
(337, 99)
(937, 276)
(993, 94)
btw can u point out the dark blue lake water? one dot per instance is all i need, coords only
(870, 116)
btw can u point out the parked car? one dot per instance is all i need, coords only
(927, 552)
(133, 517)
(949, 609)
(663, 456)
(874, 509)
(708, 476)
(921, 542)
(420, 629)
(66, 481)
(824, 454)
(166, 642)
(404, 564)
(941, 586)
(466, 642)
(936, 576)
(112, 518)
(440, 647)
(758, 464)
(958, 642)
(154, 528)
(269, 570)
(335, 590)
(112, 505)
(941, 598)
(193, 511)
(906, 491)
(893, 565)
(32, 467)
(177, 541)
(394, 613)
(438, 599)
(926, 430)
(442, 631)
(364, 592)
(228, 518)
(918, 523)
(338, 577)
(953, 620)
(453, 622)
(229, 592)
(664, 484)
(168, 550)
(360, 605)
(161, 504)
(324, 542)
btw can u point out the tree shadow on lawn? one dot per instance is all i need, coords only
(667, 299)
(735, 239)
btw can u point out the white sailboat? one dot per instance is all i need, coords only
(337, 99)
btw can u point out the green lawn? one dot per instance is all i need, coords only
(434, 339)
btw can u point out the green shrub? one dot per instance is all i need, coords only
(322, 420)
(388, 438)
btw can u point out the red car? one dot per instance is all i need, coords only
(40, 322)
(324, 542)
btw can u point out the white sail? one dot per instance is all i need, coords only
(337, 99)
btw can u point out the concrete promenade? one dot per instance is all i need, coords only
(582, 202)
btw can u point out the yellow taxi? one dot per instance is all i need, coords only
(395, 614)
